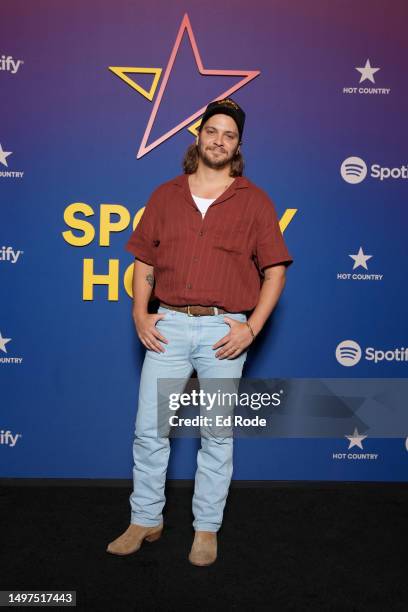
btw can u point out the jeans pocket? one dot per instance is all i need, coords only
(234, 315)
(168, 314)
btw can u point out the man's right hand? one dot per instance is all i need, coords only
(148, 334)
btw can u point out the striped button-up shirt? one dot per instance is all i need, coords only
(213, 261)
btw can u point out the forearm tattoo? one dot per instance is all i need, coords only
(150, 279)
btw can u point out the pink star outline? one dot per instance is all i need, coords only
(247, 74)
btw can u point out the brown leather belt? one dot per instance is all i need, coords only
(196, 310)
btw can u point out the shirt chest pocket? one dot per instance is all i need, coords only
(231, 237)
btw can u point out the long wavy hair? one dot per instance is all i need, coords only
(191, 157)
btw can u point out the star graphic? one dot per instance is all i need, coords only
(3, 342)
(360, 259)
(248, 75)
(356, 439)
(3, 155)
(367, 73)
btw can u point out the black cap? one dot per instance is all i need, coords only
(226, 106)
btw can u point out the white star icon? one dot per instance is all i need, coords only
(3, 155)
(3, 342)
(360, 259)
(356, 439)
(367, 73)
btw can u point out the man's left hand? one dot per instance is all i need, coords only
(238, 338)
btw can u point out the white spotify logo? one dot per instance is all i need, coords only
(353, 170)
(348, 353)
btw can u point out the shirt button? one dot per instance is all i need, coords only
(188, 286)
(200, 233)
(195, 259)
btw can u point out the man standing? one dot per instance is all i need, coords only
(209, 242)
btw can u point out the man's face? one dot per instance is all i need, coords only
(218, 141)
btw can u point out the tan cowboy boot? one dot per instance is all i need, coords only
(131, 540)
(204, 549)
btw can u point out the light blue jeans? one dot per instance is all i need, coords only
(189, 348)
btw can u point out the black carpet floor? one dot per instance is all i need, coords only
(312, 546)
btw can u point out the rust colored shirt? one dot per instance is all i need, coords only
(213, 261)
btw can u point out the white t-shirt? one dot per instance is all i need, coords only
(203, 203)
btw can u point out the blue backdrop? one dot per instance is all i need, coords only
(98, 104)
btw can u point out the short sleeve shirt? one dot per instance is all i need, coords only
(217, 260)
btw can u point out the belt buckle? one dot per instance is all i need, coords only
(188, 312)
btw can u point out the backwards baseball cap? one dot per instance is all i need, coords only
(226, 106)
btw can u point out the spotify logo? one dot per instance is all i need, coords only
(348, 353)
(353, 170)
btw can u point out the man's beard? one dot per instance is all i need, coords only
(216, 164)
